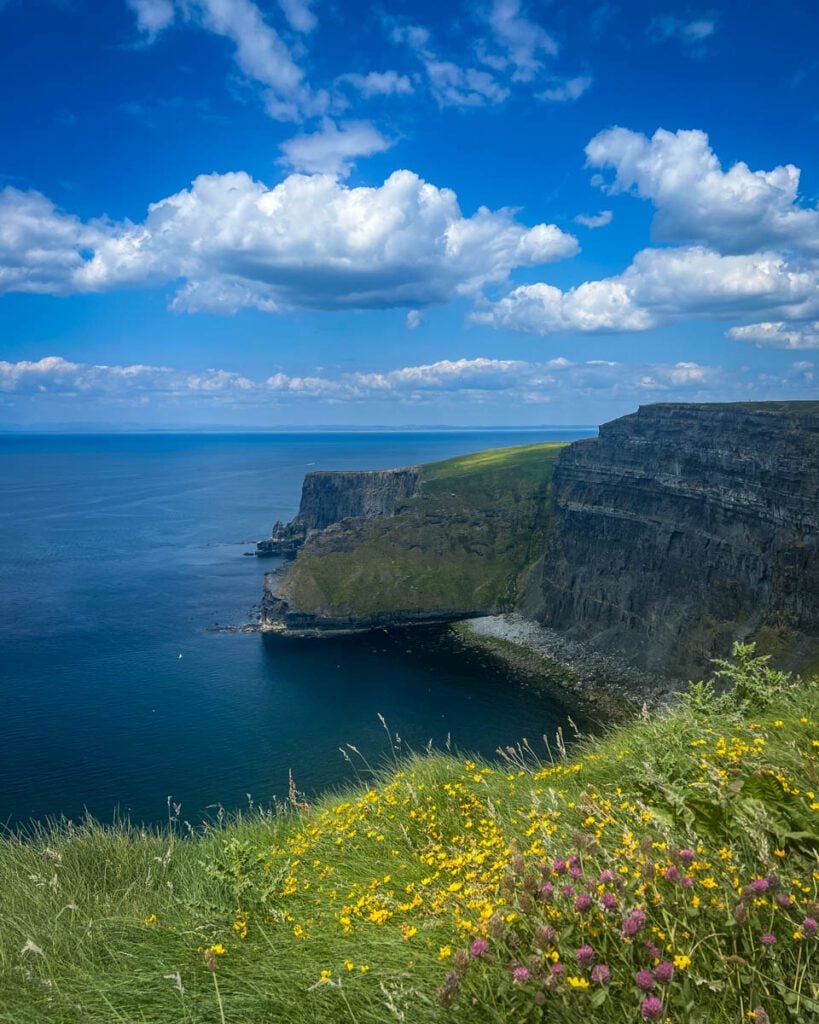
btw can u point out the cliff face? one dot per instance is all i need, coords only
(437, 542)
(328, 498)
(685, 527)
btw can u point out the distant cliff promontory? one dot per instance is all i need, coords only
(426, 544)
(678, 530)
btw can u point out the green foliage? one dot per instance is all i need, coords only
(463, 543)
(385, 887)
(752, 684)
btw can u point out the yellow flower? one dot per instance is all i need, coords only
(779, 853)
(298, 931)
(349, 965)
(578, 982)
(240, 927)
(444, 952)
(325, 977)
(364, 968)
(218, 949)
(150, 919)
(682, 961)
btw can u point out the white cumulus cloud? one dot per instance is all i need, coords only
(661, 286)
(37, 387)
(230, 242)
(152, 15)
(567, 90)
(259, 50)
(522, 40)
(333, 149)
(378, 83)
(738, 210)
(595, 220)
(778, 334)
(299, 14)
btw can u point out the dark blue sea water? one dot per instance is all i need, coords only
(117, 552)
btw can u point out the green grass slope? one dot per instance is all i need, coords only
(464, 543)
(667, 871)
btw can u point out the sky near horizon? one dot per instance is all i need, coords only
(487, 212)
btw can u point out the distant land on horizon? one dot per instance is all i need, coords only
(332, 428)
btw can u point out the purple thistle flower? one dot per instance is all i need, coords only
(652, 1008)
(644, 980)
(576, 871)
(585, 956)
(687, 856)
(607, 875)
(558, 970)
(600, 974)
(653, 951)
(758, 886)
(609, 901)
(521, 975)
(760, 1017)
(480, 947)
(688, 882)
(583, 903)
(568, 891)
(664, 972)
(672, 873)
(574, 861)
(783, 899)
(809, 927)
(634, 923)
(768, 939)
(547, 891)
(559, 866)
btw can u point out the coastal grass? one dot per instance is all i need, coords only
(463, 543)
(435, 889)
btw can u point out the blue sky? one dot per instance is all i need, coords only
(292, 212)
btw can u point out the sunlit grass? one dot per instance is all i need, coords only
(364, 906)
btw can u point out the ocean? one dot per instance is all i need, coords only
(120, 553)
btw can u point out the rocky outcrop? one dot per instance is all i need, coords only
(444, 541)
(328, 498)
(683, 528)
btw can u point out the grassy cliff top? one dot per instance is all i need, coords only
(667, 871)
(475, 525)
(492, 465)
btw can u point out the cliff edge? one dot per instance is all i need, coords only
(682, 528)
(427, 544)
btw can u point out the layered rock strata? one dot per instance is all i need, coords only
(683, 528)
(328, 498)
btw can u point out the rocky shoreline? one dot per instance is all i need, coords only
(601, 682)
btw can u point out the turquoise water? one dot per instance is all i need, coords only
(119, 551)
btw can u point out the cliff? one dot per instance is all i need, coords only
(433, 543)
(680, 529)
(328, 498)
(684, 527)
